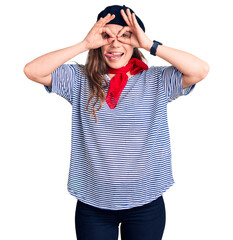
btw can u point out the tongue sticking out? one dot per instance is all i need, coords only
(114, 55)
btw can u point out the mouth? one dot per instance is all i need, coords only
(113, 55)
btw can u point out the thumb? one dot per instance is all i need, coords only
(124, 40)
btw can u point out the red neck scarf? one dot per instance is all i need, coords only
(119, 81)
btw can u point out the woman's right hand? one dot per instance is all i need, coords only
(94, 38)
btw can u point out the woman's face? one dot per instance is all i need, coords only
(116, 54)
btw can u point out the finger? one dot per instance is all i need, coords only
(109, 32)
(132, 41)
(123, 30)
(135, 22)
(107, 41)
(100, 21)
(129, 16)
(125, 17)
(124, 40)
(108, 18)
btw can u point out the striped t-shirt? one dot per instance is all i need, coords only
(124, 161)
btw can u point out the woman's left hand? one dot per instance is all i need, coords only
(138, 37)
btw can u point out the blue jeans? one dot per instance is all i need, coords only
(145, 222)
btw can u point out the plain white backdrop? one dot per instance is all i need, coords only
(35, 126)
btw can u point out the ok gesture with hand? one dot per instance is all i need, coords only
(138, 38)
(94, 38)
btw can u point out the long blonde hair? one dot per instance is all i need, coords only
(95, 69)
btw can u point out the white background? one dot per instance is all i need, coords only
(36, 126)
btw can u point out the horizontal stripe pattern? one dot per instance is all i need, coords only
(124, 161)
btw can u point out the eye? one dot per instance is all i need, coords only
(126, 35)
(105, 35)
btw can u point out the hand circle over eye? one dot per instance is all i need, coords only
(125, 32)
(138, 38)
(99, 35)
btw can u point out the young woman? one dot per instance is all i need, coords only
(121, 160)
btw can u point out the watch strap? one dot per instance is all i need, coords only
(154, 47)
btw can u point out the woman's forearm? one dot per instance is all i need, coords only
(191, 66)
(47, 63)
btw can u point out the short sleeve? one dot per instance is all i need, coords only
(63, 81)
(172, 80)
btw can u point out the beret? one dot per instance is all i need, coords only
(119, 20)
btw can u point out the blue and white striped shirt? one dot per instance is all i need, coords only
(124, 161)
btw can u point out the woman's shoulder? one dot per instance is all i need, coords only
(79, 68)
(155, 68)
(76, 65)
(153, 71)
(160, 70)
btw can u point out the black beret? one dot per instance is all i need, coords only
(119, 20)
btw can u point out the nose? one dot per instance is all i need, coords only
(115, 43)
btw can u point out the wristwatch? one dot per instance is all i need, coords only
(154, 47)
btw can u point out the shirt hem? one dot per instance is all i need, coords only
(128, 206)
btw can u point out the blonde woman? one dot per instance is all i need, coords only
(120, 162)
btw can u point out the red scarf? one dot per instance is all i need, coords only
(119, 81)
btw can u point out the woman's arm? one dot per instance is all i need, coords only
(192, 68)
(40, 69)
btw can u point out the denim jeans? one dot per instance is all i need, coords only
(145, 222)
